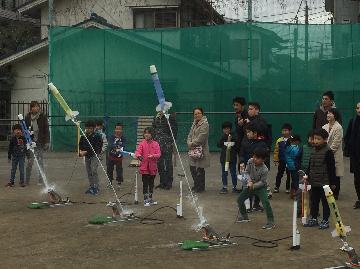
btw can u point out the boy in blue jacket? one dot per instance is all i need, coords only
(293, 154)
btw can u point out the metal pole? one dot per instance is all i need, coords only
(306, 34)
(50, 18)
(249, 54)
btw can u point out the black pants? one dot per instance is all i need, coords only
(198, 175)
(317, 194)
(357, 181)
(148, 185)
(119, 170)
(281, 169)
(337, 190)
(165, 167)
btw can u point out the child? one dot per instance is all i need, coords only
(99, 128)
(321, 172)
(293, 154)
(116, 144)
(306, 151)
(16, 154)
(279, 157)
(247, 150)
(91, 161)
(250, 143)
(257, 173)
(226, 127)
(148, 152)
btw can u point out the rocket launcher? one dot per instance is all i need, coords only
(68, 111)
(29, 143)
(340, 229)
(163, 104)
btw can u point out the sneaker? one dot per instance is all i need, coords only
(242, 218)
(119, 183)
(311, 223)
(90, 191)
(235, 190)
(276, 190)
(96, 191)
(152, 202)
(10, 184)
(22, 184)
(269, 195)
(269, 226)
(146, 202)
(324, 224)
(223, 190)
(287, 191)
(258, 208)
(357, 204)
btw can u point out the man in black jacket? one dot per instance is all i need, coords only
(164, 138)
(320, 115)
(240, 116)
(38, 124)
(352, 148)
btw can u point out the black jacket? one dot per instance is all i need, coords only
(162, 133)
(352, 142)
(96, 142)
(17, 147)
(247, 148)
(44, 134)
(240, 133)
(233, 151)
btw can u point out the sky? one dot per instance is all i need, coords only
(282, 11)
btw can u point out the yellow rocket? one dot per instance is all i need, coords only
(340, 229)
(69, 113)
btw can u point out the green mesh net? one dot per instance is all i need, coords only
(104, 73)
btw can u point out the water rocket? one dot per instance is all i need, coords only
(68, 111)
(163, 105)
(30, 145)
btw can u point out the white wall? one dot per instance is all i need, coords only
(346, 10)
(30, 80)
(119, 13)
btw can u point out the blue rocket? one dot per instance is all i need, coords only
(163, 106)
(29, 143)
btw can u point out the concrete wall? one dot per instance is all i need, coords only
(346, 10)
(119, 13)
(30, 79)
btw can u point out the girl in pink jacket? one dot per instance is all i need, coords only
(148, 152)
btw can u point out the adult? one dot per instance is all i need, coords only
(240, 116)
(335, 130)
(352, 147)
(37, 122)
(199, 156)
(162, 134)
(327, 102)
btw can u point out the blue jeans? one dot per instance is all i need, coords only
(224, 174)
(15, 160)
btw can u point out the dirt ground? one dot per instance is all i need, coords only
(61, 237)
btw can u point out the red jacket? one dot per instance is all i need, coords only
(148, 165)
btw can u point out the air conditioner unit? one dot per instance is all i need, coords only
(346, 21)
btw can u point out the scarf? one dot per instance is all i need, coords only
(34, 125)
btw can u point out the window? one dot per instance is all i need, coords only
(156, 18)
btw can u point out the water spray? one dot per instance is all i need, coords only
(164, 106)
(179, 206)
(53, 196)
(71, 115)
